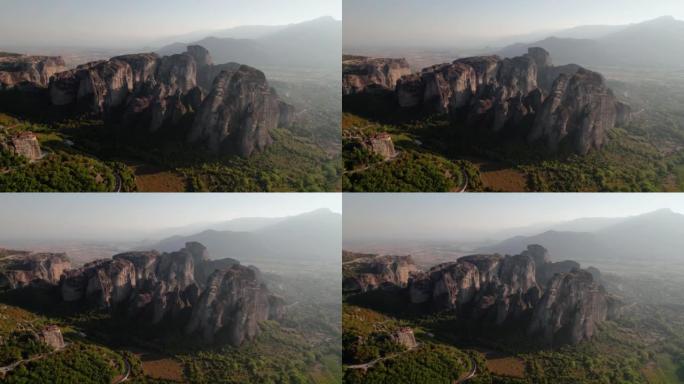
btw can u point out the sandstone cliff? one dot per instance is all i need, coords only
(489, 287)
(571, 309)
(558, 301)
(23, 144)
(525, 96)
(371, 272)
(218, 299)
(228, 106)
(232, 305)
(361, 74)
(18, 69)
(20, 269)
(239, 112)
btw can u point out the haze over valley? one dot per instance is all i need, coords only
(476, 128)
(227, 280)
(515, 287)
(139, 103)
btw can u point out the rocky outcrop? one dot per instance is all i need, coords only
(238, 114)
(361, 74)
(232, 305)
(580, 108)
(23, 144)
(228, 106)
(18, 69)
(545, 268)
(572, 307)
(52, 336)
(20, 269)
(214, 298)
(506, 290)
(488, 287)
(523, 96)
(381, 145)
(368, 273)
(404, 337)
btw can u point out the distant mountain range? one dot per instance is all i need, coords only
(657, 235)
(656, 43)
(315, 236)
(311, 44)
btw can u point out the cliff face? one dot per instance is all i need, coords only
(239, 112)
(571, 309)
(232, 305)
(212, 298)
(226, 104)
(526, 95)
(18, 69)
(487, 286)
(20, 269)
(372, 272)
(566, 307)
(363, 73)
(23, 144)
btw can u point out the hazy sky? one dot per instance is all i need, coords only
(455, 22)
(121, 22)
(475, 216)
(135, 216)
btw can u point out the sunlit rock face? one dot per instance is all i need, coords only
(18, 69)
(361, 73)
(565, 308)
(373, 272)
(220, 300)
(562, 107)
(228, 108)
(19, 269)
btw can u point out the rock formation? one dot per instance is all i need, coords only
(239, 112)
(23, 144)
(52, 336)
(184, 286)
(228, 106)
(20, 269)
(489, 287)
(525, 96)
(503, 290)
(368, 273)
(405, 337)
(571, 309)
(16, 70)
(545, 268)
(361, 74)
(381, 145)
(232, 305)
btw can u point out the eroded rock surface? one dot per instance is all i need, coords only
(361, 73)
(239, 112)
(371, 272)
(571, 309)
(227, 106)
(565, 306)
(490, 287)
(232, 305)
(219, 299)
(17, 69)
(523, 96)
(23, 144)
(20, 269)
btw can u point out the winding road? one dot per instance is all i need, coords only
(470, 374)
(128, 372)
